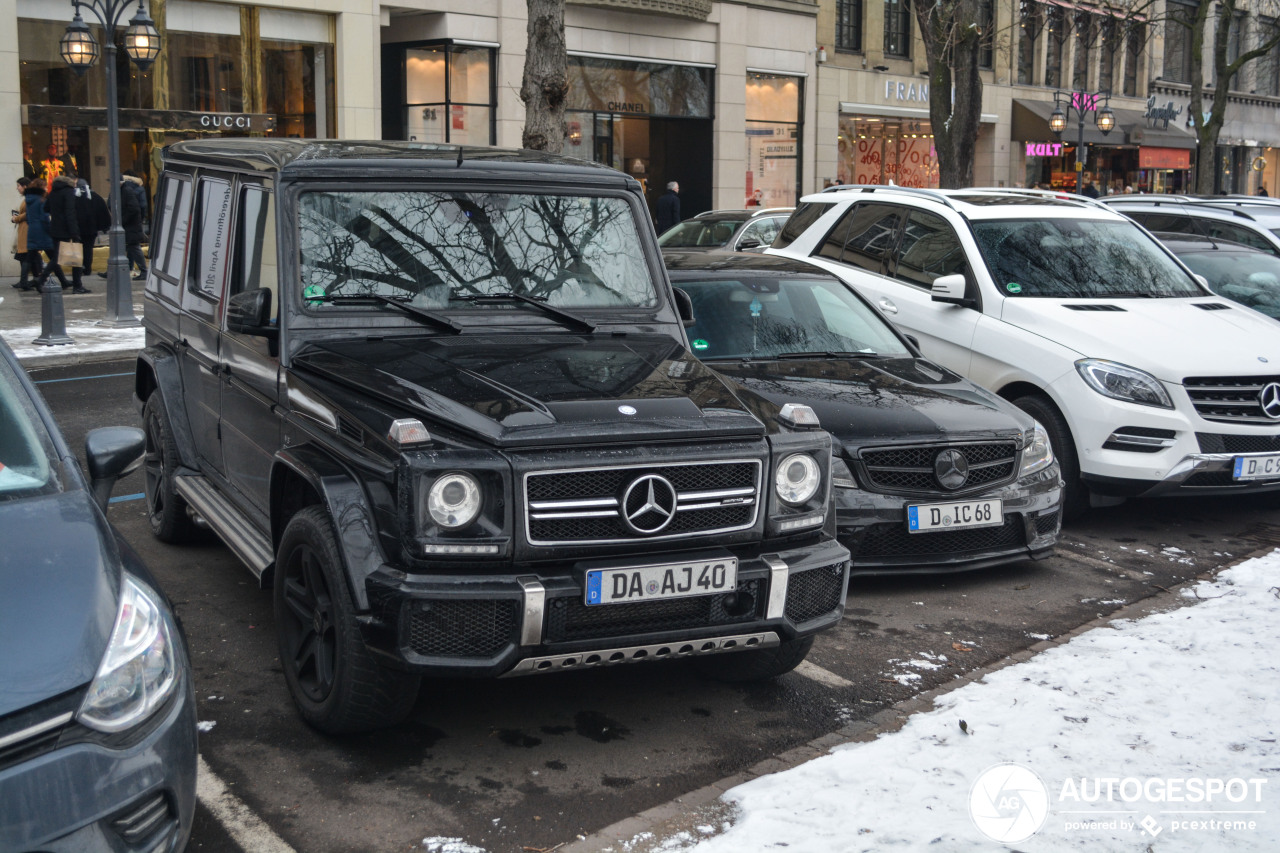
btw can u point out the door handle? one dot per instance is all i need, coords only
(887, 306)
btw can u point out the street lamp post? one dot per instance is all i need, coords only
(1082, 103)
(80, 51)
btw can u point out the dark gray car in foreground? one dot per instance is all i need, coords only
(97, 710)
(932, 472)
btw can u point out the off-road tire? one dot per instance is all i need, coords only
(166, 510)
(337, 684)
(1075, 495)
(757, 664)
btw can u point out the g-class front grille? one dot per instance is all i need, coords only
(814, 593)
(641, 502)
(569, 619)
(916, 469)
(1232, 399)
(460, 627)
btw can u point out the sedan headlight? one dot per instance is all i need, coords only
(797, 479)
(1037, 453)
(454, 500)
(139, 671)
(1122, 382)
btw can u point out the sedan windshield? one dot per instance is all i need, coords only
(699, 234)
(439, 250)
(769, 316)
(1073, 258)
(1250, 278)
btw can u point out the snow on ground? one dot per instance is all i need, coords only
(86, 335)
(1147, 735)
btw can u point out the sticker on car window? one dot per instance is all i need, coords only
(755, 307)
(1013, 287)
(699, 343)
(314, 294)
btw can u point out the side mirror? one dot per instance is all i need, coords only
(749, 243)
(112, 453)
(249, 313)
(950, 289)
(913, 340)
(1204, 282)
(684, 307)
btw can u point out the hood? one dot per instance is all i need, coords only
(1168, 338)
(64, 181)
(131, 179)
(520, 390)
(58, 597)
(871, 401)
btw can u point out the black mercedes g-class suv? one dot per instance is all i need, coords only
(441, 400)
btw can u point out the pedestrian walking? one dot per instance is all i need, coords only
(64, 227)
(93, 217)
(133, 212)
(38, 239)
(19, 219)
(669, 208)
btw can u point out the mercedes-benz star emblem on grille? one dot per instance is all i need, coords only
(649, 504)
(1269, 399)
(627, 410)
(951, 467)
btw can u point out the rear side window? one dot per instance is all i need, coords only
(175, 219)
(1164, 222)
(209, 252)
(255, 262)
(805, 214)
(1238, 233)
(864, 236)
(929, 249)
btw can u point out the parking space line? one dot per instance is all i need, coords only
(245, 828)
(79, 378)
(813, 672)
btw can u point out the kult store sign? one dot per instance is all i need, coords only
(1044, 149)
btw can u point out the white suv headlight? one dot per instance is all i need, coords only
(1037, 453)
(139, 671)
(1122, 382)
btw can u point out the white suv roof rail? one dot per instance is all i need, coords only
(935, 195)
(1061, 195)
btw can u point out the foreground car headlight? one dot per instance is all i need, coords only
(1037, 453)
(139, 671)
(797, 478)
(1122, 382)
(454, 500)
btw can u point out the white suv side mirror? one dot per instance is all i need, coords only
(950, 289)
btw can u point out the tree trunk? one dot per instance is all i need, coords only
(955, 86)
(546, 78)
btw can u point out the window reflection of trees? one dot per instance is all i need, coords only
(433, 246)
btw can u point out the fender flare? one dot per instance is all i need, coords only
(345, 501)
(158, 371)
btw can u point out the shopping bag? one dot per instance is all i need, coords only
(70, 255)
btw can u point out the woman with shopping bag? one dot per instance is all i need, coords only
(64, 228)
(38, 239)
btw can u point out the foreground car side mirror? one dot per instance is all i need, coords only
(249, 313)
(950, 289)
(749, 243)
(684, 307)
(112, 453)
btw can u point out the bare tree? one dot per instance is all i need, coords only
(953, 41)
(546, 77)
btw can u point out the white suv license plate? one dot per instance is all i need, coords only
(1257, 467)
(927, 518)
(653, 583)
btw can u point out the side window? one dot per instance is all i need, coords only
(255, 259)
(873, 231)
(761, 232)
(1164, 222)
(1228, 231)
(801, 218)
(175, 223)
(929, 249)
(208, 267)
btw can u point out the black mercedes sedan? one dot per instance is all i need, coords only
(932, 472)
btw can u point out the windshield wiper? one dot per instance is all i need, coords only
(826, 354)
(558, 313)
(432, 318)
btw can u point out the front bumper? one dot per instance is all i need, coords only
(80, 793)
(491, 626)
(874, 528)
(1194, 474)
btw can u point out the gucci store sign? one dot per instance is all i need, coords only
(39, 114)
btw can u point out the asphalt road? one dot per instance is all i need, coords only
(526, 764)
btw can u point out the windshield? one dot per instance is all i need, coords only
(699, 234)
(1065, 258)
(768, 316)
(435, 249)
(1250, 278)
(25, 449)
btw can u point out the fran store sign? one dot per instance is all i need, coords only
(897, 90)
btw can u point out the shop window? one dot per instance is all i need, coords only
(1031, 21)
(448, 94)
(645, 88)
(897, 28)
(873, 150)
(1177, 42)
(1056, 24)
(298, 88)
(1135, 38)
(929, 249)
(849, 25)
(773, 139)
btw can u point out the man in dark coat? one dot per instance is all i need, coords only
(669, 208)
(64, 226)
(92, 216)
(133, 206)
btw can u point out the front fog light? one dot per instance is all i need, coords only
(139, 670)
(797, 478)
(454, 500)
(1037, 453)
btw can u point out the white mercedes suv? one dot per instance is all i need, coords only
(1147, 383)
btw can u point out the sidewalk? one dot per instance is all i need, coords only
(20, 325)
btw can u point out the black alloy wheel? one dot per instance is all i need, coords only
(166, 510)
(309, 642)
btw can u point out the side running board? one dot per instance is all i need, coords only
(231, 525)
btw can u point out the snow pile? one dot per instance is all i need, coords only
(1159, 732)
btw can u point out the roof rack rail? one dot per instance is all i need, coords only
(1063, 195)
(933, 195)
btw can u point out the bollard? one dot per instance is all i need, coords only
(53, 320)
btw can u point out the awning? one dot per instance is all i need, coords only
(1031, 124)
(921, 113)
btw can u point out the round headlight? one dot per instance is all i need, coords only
(454, 500)
(797, 478)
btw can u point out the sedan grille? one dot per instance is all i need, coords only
(641, 502)
(896, 470)
(1230, 399)
(892, 540)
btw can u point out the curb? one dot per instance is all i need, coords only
(64, 356)
(698, 811)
